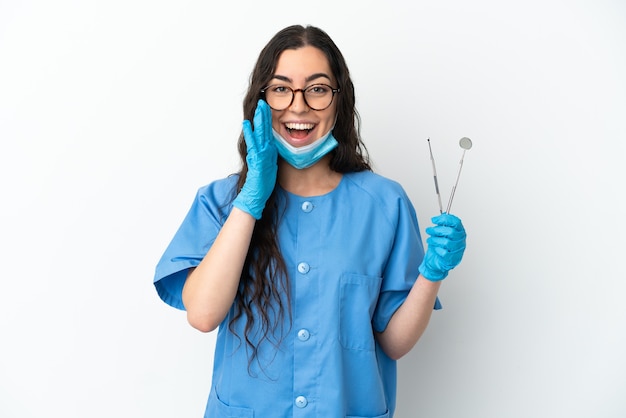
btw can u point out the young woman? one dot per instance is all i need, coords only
(310, 265)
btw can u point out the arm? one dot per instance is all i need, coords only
(409, 322)
(211, 288)
(446, 246)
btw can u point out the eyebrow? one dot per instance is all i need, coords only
(308, 79)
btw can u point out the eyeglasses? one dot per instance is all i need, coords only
(316, 96)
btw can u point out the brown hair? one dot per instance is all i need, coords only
(264, 286)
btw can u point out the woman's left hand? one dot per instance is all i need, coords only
(446, 246)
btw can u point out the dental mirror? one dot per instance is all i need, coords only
(466, 144)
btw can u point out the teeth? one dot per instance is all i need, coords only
(299, 126)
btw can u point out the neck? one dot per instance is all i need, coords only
(316, 180)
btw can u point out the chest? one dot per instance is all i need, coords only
(335, 233)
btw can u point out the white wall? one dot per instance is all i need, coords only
(112, 113)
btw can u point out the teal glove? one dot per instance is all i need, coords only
(262, 163)
(446, 245)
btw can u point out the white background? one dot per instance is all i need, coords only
(113, 113)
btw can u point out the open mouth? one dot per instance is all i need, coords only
(299, 130)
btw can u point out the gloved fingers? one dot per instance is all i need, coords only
(262, 114)
(248, 136)
(446, 232)
(446, 219)
(446, 243)
(447, 253)
(262, 124)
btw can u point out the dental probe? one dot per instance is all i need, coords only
(432, 160)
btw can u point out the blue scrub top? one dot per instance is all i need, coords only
(352, 256)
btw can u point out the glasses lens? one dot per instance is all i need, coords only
(278, 97)
(319, 96)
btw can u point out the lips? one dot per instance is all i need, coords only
(299, 130)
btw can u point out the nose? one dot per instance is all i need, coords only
(298, 104)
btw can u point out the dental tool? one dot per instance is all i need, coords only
(432, 160)
(466, 144)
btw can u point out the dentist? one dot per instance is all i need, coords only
(309, 265)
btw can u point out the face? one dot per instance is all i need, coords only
(300, 68)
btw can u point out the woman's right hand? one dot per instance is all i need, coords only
(262, 163)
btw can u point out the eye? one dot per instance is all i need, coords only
(318, 90)
(279, 89)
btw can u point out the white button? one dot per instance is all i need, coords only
(303, 335)
(307, 206)
(303, 268)
(301, 402)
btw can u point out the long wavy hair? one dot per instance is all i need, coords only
(263, 293)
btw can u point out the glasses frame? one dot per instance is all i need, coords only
(302, 90)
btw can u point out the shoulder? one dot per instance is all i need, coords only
(219, 191)
(376, 185)
(214, 200)
(370, 191)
